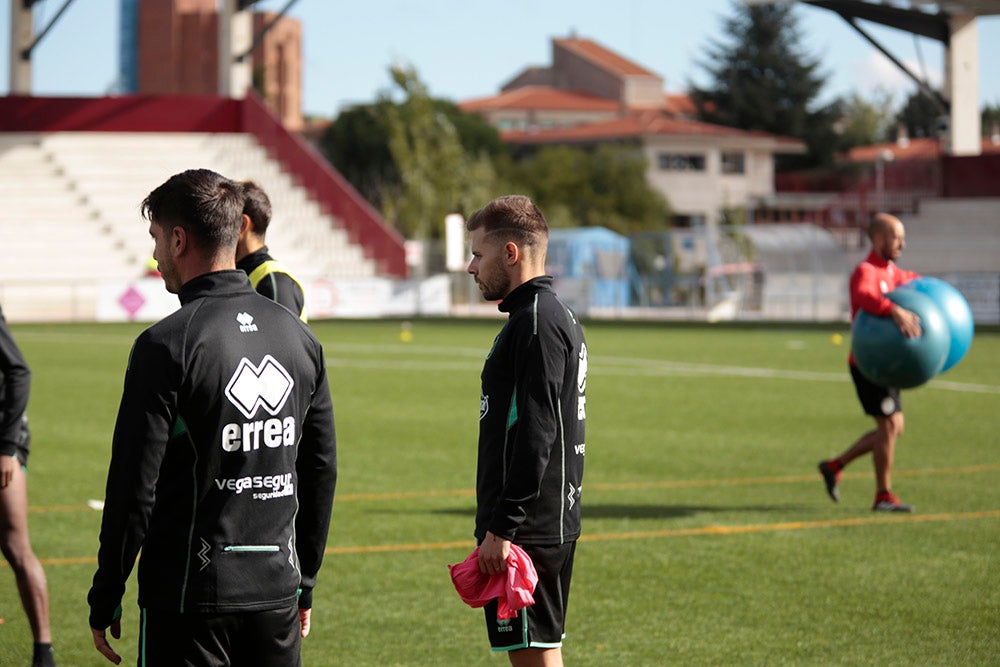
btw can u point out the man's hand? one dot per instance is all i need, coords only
(493, 554)
(8, 466)
(907, 321)
(304, 621)
(101, 641)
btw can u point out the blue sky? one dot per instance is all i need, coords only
(467, 48)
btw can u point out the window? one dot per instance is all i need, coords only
(681, 162)
(733, 163)
(687, 221)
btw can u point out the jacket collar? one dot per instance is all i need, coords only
(877, 260)
(251, 261)
(217, 283)
(521, 295)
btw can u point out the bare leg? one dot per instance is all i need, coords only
(881, 442)
(16, 549)
(889, 429)
(536, 657)
(861, 446)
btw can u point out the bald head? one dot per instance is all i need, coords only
(888, 236)
(882, 222)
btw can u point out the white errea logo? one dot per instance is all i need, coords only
(246, 322)
(268, 385)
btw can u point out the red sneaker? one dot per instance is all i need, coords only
(888, 502)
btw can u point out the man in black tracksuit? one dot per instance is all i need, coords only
(267, 275)
(532, 418)
(223, 461)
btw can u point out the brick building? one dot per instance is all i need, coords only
(175, 51)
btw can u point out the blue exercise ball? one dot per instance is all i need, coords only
(888, 358)
(956, 311)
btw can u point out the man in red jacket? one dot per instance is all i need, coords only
(872, 279)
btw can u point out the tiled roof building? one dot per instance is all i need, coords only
(591, 95)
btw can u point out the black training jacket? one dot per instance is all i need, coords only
(532, 416)
(15, 385)
(273, 281)
(223, 463)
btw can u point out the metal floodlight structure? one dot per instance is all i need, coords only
(236, 43)
(951, 22)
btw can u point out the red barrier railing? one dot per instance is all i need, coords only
(327, 186)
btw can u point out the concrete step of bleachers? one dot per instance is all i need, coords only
(960, 210)
(954, 235)
(48, 233)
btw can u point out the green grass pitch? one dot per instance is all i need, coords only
(708, 537)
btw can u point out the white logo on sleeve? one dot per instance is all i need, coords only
(571, 496)
(246, 322)
(204, 554)
(267, 385)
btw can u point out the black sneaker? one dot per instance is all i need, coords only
(888, 502)
(832, 480)
(43, 656)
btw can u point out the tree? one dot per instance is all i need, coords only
(357, 144)
(375, 145)
(436, 174)
(920, 115)
(863, 122)
(605, 187)
(762, 79)
(991, 119)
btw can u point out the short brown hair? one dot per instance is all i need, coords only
(206, 204)
(257, 207)
(514, 217)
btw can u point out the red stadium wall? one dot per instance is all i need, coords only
(134, 113)
(972, 176)
(150, 113)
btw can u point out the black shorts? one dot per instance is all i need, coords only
(877, 401)
(265, 638)
(542, 625)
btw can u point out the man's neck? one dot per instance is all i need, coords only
(248, 246)
(527, 273)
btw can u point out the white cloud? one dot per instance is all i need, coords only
(878, 72)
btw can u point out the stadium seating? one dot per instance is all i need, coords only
(952, 236)
(71, 216)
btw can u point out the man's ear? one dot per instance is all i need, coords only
(178, 241)
(245, 225)
(512, 253)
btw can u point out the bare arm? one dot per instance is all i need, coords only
(907, 321)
